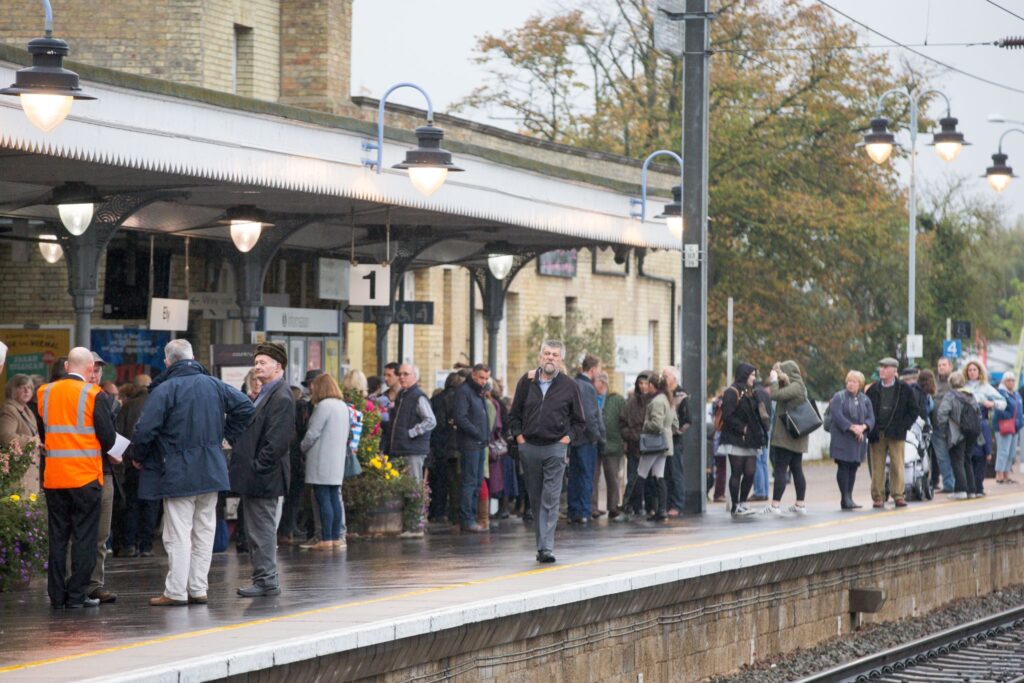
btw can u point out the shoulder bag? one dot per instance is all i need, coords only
(653, 444)
(802, 420)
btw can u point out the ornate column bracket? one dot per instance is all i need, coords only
(84, 252)
(494, 291)
(251, 268)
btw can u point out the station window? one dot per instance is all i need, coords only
(245, 62)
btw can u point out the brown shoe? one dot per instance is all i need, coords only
(197, 599)
(164, 601)
(323, 545)
(878, 504)
(103, 595)
(901, 503)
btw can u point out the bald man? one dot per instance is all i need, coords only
(79, 429)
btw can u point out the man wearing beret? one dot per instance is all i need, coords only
(260, 468)
(895, 412)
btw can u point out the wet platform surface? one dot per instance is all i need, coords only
(367, 592)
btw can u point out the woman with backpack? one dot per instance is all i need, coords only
(743, 433)
(959, 419)
(852, 417)
(788, 391)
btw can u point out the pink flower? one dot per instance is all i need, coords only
(376, 430)
(369, 405)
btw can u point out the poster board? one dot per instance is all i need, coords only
(129, 352)
(33, 352)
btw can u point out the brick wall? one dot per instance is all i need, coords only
(316, 45)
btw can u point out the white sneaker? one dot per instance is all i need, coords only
(971, 496)
(744, 511)
(798, 509)
(961, 495)
(773, 510)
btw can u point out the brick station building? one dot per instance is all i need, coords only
(269, 78)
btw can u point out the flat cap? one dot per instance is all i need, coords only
(272, 350)
(888, 362)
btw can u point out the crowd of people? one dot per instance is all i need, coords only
(538, 454)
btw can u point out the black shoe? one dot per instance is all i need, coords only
(86, 602)
(545, 556)
(527, 516)
(258, 591)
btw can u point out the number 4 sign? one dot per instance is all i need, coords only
(369, 285)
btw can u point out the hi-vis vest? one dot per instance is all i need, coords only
(73, 456)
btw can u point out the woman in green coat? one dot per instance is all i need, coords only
(788, 391)
(659, 418)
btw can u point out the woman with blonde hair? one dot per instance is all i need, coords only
(325, 447)
(355, 380)
(852, 418)
(989, 399)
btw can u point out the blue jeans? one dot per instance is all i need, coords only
(945, 464)
(469, 489)
(328, 497)
(582, 460)
(761, 473)
(1006, 451)
(674, 475)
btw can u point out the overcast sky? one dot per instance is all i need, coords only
(431, 44)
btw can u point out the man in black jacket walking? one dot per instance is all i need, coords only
(895, 412)
(259, 469)
(547, 413)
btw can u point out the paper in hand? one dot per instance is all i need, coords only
(120, 446)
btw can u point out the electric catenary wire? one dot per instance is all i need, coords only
(921, 54)
(1010, 12)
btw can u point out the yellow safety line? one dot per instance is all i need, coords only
(473, 582)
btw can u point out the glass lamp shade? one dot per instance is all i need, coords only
(878, 151)
(427, 180)
(46, 112)
(500, 265)
(51, 250)
(675, 226)
(75, 217)
(948, 151)
(245, 234)
(999, 181)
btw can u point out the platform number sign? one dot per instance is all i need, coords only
(951, 348)
(369, 285)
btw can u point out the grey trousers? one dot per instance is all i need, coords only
(261, 515)
(543, 469)
(414, 463)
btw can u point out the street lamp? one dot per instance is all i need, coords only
(879, 143)
(500, 265)
(673, 212)
(428, 164)
(999, 173)
(247, 223)
(46, 88)
(50, 248)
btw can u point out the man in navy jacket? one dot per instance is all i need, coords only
(472, 434)
(177, 443)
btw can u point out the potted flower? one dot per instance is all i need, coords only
(381, 500)
(23, 528)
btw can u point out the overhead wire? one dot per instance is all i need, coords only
(830, 48)
(945, 65)
(1008, 11)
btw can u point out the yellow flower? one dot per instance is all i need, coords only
(376, 464)
(32, 497)
(15, 497)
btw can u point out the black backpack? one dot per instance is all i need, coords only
(970, 417)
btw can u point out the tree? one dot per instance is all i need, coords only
(579, 337)
(805, 231)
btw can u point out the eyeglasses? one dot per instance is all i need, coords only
(405, 374)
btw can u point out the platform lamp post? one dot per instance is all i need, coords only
(879, 144)
(672, 213)
(428, 164)
(999, 174)
(47, 90)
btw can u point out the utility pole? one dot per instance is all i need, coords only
(694, 294)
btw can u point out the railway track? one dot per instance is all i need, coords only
(986, 650)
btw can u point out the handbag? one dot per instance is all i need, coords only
(352, 466)
(652, 444)
(802, 420)
(496, 448)
(1008, 426)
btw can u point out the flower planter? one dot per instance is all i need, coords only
(386, 518)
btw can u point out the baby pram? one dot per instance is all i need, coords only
(917, 466)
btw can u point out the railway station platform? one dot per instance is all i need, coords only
(674, 602)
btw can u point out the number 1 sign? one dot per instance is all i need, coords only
(369, 285)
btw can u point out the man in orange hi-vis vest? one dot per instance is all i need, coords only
(79, 429)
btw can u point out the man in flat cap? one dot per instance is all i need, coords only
(895, 412)
(260, 468)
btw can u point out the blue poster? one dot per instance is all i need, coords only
(130, 352)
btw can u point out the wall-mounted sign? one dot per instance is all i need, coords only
(369, 285)
(631, 354)
(332, 278)
(214, 305)
(406, 313)
(168, 314)
(558, 263)
(299, 320)
(130, 352)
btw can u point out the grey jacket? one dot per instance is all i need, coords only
(661, 416)
(947, 418)
(594, 432)
(785, 397)
(848, 410)
(326, 442)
